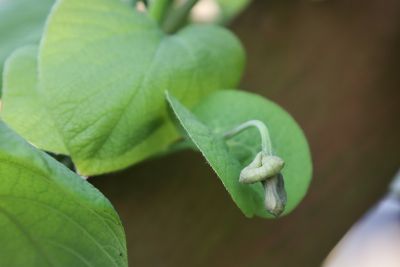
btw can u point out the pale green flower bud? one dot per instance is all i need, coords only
(261, 168)
(275, 195)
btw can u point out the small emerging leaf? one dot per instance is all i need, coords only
(224, 110)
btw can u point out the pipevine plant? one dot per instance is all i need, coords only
(110, 86)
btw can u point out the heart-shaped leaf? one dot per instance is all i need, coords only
(102, 70)
(50, 216)
(224, 110)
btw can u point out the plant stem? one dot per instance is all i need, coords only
(158, 9)
(178, 17)
(262, 129)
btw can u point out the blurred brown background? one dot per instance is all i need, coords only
(334, 65)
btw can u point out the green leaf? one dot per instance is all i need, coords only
(103, 68)
(224, 110)
(23, 99)
(21, 23)
(50, 216)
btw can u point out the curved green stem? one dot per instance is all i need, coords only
(262, 129)
(178, 17)
(158, 9)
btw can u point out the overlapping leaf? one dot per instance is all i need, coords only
(21, 23)
(224, 110)
(102, 69)
(50, 216)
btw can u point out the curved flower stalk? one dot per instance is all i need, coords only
(265, 168)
